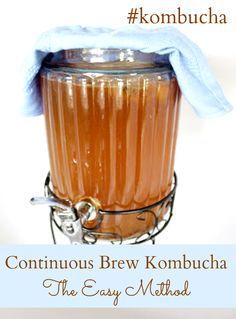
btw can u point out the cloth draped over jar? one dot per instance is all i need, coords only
(195, 78)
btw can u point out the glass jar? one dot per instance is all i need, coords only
(111, 120)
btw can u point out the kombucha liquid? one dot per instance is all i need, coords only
(112, 137)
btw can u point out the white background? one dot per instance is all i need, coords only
(205, 209)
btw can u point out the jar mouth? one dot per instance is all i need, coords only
(108, 60)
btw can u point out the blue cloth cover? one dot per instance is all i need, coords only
(195, 78)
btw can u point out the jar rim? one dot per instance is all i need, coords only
(107, 60)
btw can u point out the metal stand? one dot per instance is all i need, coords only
(73, 220)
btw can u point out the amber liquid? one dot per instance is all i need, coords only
(112, 138)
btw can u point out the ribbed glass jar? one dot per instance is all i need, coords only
(111, 119)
